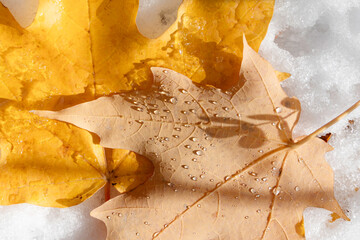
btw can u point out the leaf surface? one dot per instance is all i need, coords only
(75, 51)
(225, 163)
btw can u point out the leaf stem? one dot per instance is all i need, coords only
(327, 125)
(107, 191)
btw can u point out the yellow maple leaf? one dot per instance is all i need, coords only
(75, 51)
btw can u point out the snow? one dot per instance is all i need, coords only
(318, 43)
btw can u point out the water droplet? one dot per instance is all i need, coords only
(261, 151)
(194, 159)
(170, 184)
(139, 121)
(257, 195)
(258, 211)
(119, 214)
(202, 176)
(173, 100)
(227, 178)
(146, 223)
(155, 234)
(139, 109)
(165, 71)
(246, 217)
(185, 166)
(211, 180)
(198, 152)
(276, 191)
(216, 115)
(187, 146)
(173, 159)
(186, 125)
(193, 178)
(199, 206)
(203, 148)
(192, 110)
(108, 217)
(193, 139)
(300, 160)
(137, 234)
(252, 173)
(297, 188)
(183, 91)
(175, 136)
(278, 110)
(166, 138)
(212, 102)
(264, 179)
(252, 190)
(184, 112)
(226, 108)
(218, 184)
(194, 190)
(156, 112)
(273, 168)
(177, 129)
(187, 102)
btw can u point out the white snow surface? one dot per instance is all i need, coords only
(318, 43)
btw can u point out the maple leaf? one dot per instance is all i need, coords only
(75, 51)
(225, 163)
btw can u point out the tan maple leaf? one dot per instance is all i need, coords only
(226, 165)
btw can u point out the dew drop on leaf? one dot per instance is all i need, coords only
(198, 152)
(173, 100)
(276, 191)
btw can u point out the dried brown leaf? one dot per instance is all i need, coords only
(226, 165)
